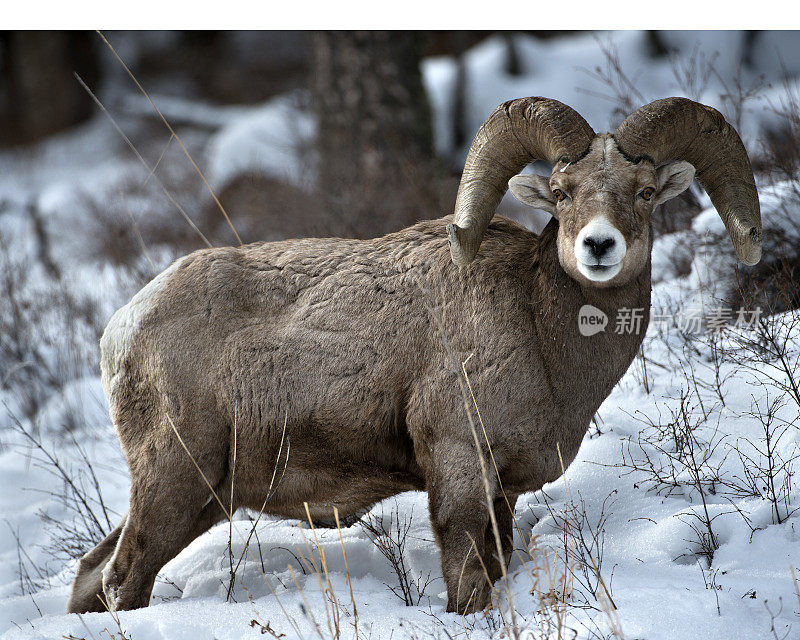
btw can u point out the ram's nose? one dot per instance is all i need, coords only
(599, 245)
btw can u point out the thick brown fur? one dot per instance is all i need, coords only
(350, 350)
(336, 340)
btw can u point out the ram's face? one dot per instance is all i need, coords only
(603, 203)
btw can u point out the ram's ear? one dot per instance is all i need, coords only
(534, 191)
(673, 179)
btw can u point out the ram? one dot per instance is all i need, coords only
(346, 347)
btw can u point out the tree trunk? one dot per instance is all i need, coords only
(38, 93)
(376, 167)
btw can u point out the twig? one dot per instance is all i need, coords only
(172, 135)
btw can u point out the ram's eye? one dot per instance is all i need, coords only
(647, 193)
(559, 194)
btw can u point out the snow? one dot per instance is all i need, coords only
(269, 139)
(661, 587)
(439, 77)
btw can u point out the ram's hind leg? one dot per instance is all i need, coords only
(143, 549)
(88, 584)
(170, 506)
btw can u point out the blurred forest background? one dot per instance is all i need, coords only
(374, 125)
(122, 151)
(191, 139)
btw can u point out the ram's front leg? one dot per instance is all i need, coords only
(459, 516)
(504, 515)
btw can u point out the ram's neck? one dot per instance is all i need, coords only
(584, 368)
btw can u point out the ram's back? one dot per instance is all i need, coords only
(325, 336)
(313, 324)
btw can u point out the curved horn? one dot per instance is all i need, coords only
(680, 129)
(518, 132)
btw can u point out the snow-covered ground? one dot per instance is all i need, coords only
(642, 491)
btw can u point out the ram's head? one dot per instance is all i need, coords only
(603, 188)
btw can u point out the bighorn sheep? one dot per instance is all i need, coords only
(335, 340)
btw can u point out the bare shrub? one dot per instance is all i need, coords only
(769, 355)
(583, 542)
(681, 454)
(780, 158)
(623, 91)
(773, 617)
(711, 584)
(47, 336)
(389, 535)
(83, 520)
(765, 472)
(33, 576)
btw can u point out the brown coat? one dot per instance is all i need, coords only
(336, 340)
